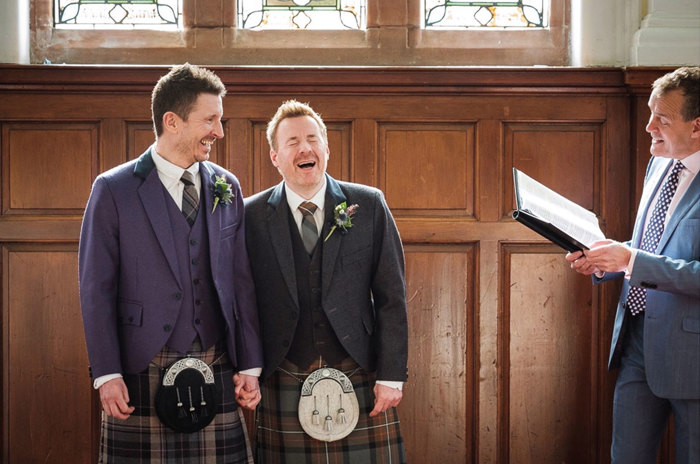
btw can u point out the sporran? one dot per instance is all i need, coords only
(328, 407)
(186, 400)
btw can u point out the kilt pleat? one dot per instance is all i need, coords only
(280, 438)
(144, 439)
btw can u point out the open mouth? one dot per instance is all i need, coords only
(207, 142)
(306, 164)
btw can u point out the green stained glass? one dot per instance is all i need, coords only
(301, 14)
(449, 14)
(103, 14)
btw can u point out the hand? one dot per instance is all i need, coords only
(115, 398)
(385, 398)
(609, 256)
(581, 264)
(247, 390)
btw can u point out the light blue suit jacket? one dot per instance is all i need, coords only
(672, 279)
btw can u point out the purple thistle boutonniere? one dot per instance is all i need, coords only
(222, 192)
(342, 218)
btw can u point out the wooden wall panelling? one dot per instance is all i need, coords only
(427, 169)
(388, 128)
(561, 155)
(36, 178)
(438, 410)
(546, 404)
(49, 412)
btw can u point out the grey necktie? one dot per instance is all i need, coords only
(637, 296)
(190, 199)
(309, 231)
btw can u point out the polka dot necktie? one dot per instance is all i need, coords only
(637, 296)
(190, 199)
(309, 231)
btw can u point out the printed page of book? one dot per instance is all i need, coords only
(564, 214)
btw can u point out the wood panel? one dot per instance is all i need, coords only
(546, 404)
(36, 178)
(508, 348)
(427, 169)
(48, 411)
(439, 401)
(562, 156)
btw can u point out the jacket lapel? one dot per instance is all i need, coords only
(690, 198)
(213, 221)
(152, 197)
(281, 239)
(331, 247)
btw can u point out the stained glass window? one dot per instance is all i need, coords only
(117, 14)
(454, 14)
(301, 14)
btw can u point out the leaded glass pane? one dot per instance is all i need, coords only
(117, 14)
(449, 14)
(301, 14)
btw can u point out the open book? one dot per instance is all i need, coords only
(554, 217)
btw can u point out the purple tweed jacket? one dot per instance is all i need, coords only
(130, 292)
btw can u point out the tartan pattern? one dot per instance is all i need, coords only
(280, 438)
(144, 439)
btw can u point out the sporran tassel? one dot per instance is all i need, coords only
(329, 420)
(315, 415)
(181, 413)
(204, 411)
(341, 419)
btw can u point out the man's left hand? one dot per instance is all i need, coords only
(247, 390)
(385, 398)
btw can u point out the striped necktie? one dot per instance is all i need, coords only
(190, 199)
(637, 296)
(309, 231)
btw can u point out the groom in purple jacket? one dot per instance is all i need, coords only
(164, 275)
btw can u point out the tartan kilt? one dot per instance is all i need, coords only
(279, 437)
(144, 439)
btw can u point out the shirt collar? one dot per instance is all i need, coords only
(294, 199)
(692, 162)
(170, 171)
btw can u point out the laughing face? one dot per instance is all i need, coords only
(301, 156)
(201, 129)
(671, 135)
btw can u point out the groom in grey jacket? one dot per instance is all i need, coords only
(328, 266)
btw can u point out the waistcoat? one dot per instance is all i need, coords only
(314, 335)
(200, 312)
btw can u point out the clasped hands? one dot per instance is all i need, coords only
(603, 256)
(247, 390)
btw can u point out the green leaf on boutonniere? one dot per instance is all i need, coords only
(222, 192)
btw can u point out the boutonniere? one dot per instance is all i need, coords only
(342, 218)
(222, 192)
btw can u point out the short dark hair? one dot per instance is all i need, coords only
(687, 80)
(293, 109)
(178, 90)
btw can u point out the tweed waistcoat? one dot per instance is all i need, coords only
(200, 313)
(314, 335)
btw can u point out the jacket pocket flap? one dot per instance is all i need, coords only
(691, 325)
(130, 312)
